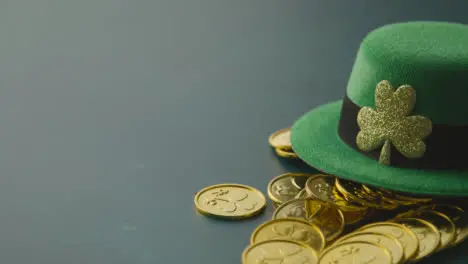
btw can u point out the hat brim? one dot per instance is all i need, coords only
(315, 140)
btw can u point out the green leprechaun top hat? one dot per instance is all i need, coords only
(403, 123)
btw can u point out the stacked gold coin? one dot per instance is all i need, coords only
(281, 142)
(320, 218)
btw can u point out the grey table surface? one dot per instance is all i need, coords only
(114, 113)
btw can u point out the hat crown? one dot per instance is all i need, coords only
(431, 57)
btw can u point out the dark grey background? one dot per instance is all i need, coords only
(114, 113)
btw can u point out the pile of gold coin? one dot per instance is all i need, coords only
(320, 218)
(281, 142)
(360, 222)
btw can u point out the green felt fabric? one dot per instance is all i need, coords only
(430, 56)
(315, 139)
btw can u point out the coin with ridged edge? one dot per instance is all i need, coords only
(230, 200)
(302, 194)
(279, 251)
(427, 234)
(387, 241)
(286, 153)
(459, 217)
(302, 208)
(282, 188)
(396, 197)
(300, 182)
(353, 217)
(321, 186)
(356, 252)
(330, 220)
(406, 236)
(355, 192)
(444, 225)
(290, 229)
(281, 139)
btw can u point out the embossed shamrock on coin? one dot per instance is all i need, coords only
(459, 217)
(384, 240)
(290, 229)
(321, 186)
(279, 251)
(403, 234)
(230, 201)
(302, 208)
(443, 223)
(427, 234)
(356, 252)
(282, 188)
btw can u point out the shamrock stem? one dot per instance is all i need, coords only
(385, 153)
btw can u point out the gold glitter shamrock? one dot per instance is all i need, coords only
(391, 123)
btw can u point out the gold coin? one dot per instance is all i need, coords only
(353, 217)
(330, 220)
(282, 189)
(416, 199)
(279, 251)
(407, 238)
(230, 200)
(302, 194)
(384, 240)
(301, 180)
(290, 229)
(462, 229)
(396, 197)
(302, 208)
(355, 191)
(281, 139)
(457, 215)
(356, 252)
(286, 153)
(427, 234)
(275, 205)
(321, 186)
(444, 225)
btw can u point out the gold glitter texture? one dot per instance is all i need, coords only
(391, 124)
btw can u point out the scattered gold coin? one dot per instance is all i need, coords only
(281, 139)
(427, 234)
(356, 252)
(282, 188)
(444, 225)
(286, 153)
(279, 251)
(384, 240)
(302, 208)
(406, 236)
(321, 186)
(233, 201)
(290, 229)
